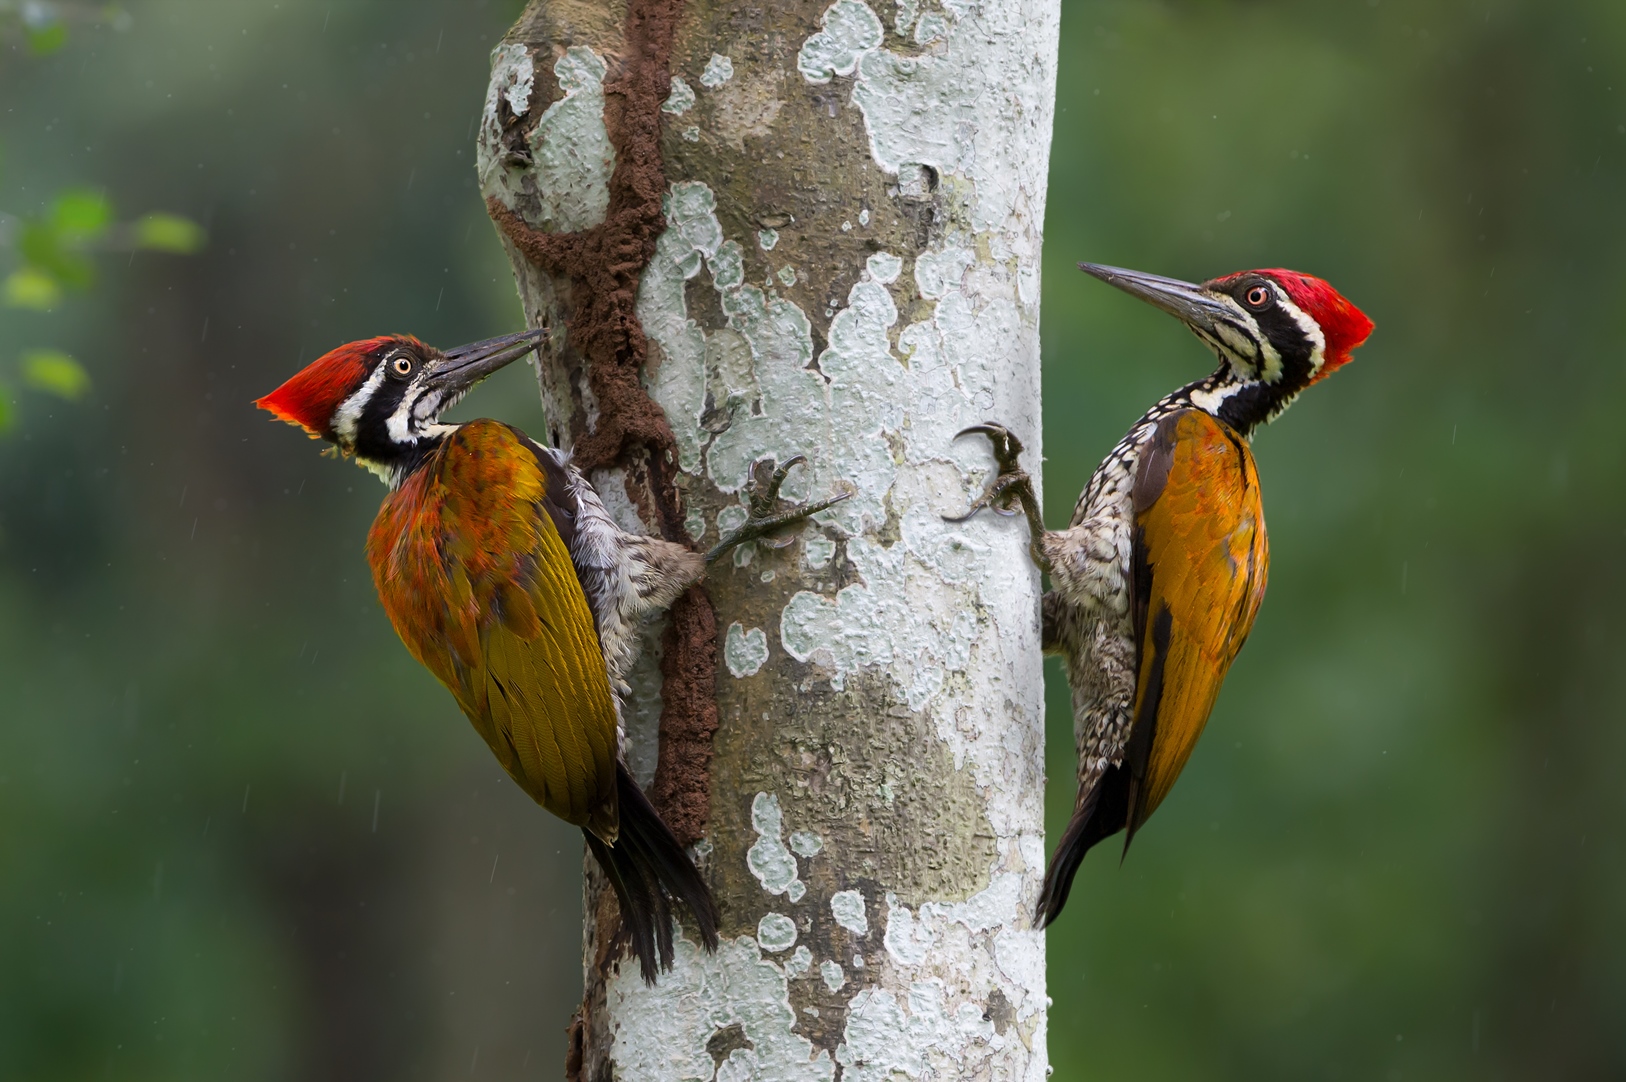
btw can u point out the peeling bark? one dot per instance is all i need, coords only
(844, 264)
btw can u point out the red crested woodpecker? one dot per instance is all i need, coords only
(504, 575)
(1156, 580)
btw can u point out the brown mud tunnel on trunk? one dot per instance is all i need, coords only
(604, 265)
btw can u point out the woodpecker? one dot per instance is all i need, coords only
(505, 576)
(1156, 580)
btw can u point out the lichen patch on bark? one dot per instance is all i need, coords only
(704, 997)
(768, 858)
(745, 650)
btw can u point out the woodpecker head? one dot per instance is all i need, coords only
(380, 399)
(1275, 332)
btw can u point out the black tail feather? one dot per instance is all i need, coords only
(669, 866)
(648, 870)
(1102, 813)
(632, 892)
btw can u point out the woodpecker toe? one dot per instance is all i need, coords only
(1012, 482)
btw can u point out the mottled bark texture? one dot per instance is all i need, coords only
(810, 228)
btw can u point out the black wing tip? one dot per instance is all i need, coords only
(1101, 813)
(649, 870)
(1058, 877)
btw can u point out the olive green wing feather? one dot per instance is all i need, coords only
(481, 587)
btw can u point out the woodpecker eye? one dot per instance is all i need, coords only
(401, 366)
(1258, 297)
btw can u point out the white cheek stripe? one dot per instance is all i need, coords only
(1261, 352)
(1311, 329)
(1244, 346)
(1271, 370)
(1237, 343)
(400, 423)
(416, 416)
(349, 414)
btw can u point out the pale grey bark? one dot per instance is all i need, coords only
(850, 271)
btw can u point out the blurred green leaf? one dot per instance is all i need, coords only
(55, 372)
(42, 248)
(5, 407)
(169, 233)
(30, 287)
(45, 40)
(81, 214)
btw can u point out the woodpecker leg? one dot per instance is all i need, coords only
(764, 519)
(1012, 483)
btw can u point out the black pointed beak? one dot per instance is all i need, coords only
(1189, 303)
(463, 367)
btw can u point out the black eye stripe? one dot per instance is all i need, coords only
(1292, 343)
(372, 427)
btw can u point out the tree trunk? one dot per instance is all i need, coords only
(800, 228)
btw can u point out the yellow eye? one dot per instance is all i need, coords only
(401, 366)
(1258, 297)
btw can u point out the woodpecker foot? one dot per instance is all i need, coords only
(1012, 484)
(763, 519)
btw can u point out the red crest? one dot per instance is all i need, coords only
(313, 396)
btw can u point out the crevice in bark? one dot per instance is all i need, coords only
(576, 1045)
(726, 1040)
(586, 1057)
(604, 265)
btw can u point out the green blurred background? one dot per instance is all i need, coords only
(241, 835)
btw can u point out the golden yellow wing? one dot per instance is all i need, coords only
(1197, 577)
(478, 582)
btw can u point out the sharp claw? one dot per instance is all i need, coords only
(786, 466)
(969, 515)
(998, 435)
(1007, 448)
